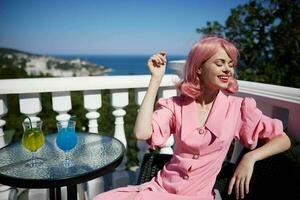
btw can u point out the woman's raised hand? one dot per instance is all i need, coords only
(157, 64)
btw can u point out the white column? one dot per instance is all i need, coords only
(61, 103)
(31, 105)
(167, 92)
(4, 190)
(167, 149)
(119, 99)
(92, 102)
(3, 111)
(38, 194)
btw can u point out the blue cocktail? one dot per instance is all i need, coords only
(66, 139)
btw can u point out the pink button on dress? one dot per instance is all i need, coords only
(200, 151)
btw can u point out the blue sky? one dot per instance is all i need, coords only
(107, 26)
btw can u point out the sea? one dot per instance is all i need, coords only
(122, 64)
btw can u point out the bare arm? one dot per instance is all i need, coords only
(274, 146)
(156, 65)
(243, 172)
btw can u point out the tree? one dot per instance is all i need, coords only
(267, 33)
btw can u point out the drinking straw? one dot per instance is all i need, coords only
(71, 118)
(30, 124)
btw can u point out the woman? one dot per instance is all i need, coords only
(204, 121)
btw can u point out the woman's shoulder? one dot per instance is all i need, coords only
(177, 100)
(243, 103)
(169, 102)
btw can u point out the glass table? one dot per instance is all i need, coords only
(94, 156)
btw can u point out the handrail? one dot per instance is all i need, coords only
(40, 85)
(283, 93)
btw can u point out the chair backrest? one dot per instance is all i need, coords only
(151, 164)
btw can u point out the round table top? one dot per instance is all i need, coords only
(94, 155)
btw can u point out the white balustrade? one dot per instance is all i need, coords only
(61, 103)
(273, 100)
(38, 194)
(3, 111)
(119, 99)
(92, 102)
(31, 105)
(5, 191)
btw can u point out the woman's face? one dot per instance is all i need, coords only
(216, 71)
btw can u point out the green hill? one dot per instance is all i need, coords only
(13, 51)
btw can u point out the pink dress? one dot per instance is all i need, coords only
(200, 151)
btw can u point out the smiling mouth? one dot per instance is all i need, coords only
(223, 78)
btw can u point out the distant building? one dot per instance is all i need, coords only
(36, 66)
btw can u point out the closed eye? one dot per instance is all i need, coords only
(221, 62)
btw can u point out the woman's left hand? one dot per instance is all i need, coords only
(242, 176)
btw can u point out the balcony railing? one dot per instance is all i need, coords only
(275, 101)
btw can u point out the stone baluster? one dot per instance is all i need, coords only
(119, 99)
(61, 103)
(5, 191)
(167, 92)
(167, 149)
(141, 144)
(3, 111)
(31, 105)
(92, 102)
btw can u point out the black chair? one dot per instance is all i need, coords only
(151, 164)
(276, 177)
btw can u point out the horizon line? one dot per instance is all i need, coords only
(86, 54)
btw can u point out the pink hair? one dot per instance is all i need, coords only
(203, 50)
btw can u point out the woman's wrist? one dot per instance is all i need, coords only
(156, 79)
(252, 155)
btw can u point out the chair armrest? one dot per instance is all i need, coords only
(151, 164)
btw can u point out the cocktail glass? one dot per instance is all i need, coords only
(66, 139)
(33, 139)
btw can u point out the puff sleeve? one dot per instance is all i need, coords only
(255, 126)
(163, 123)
